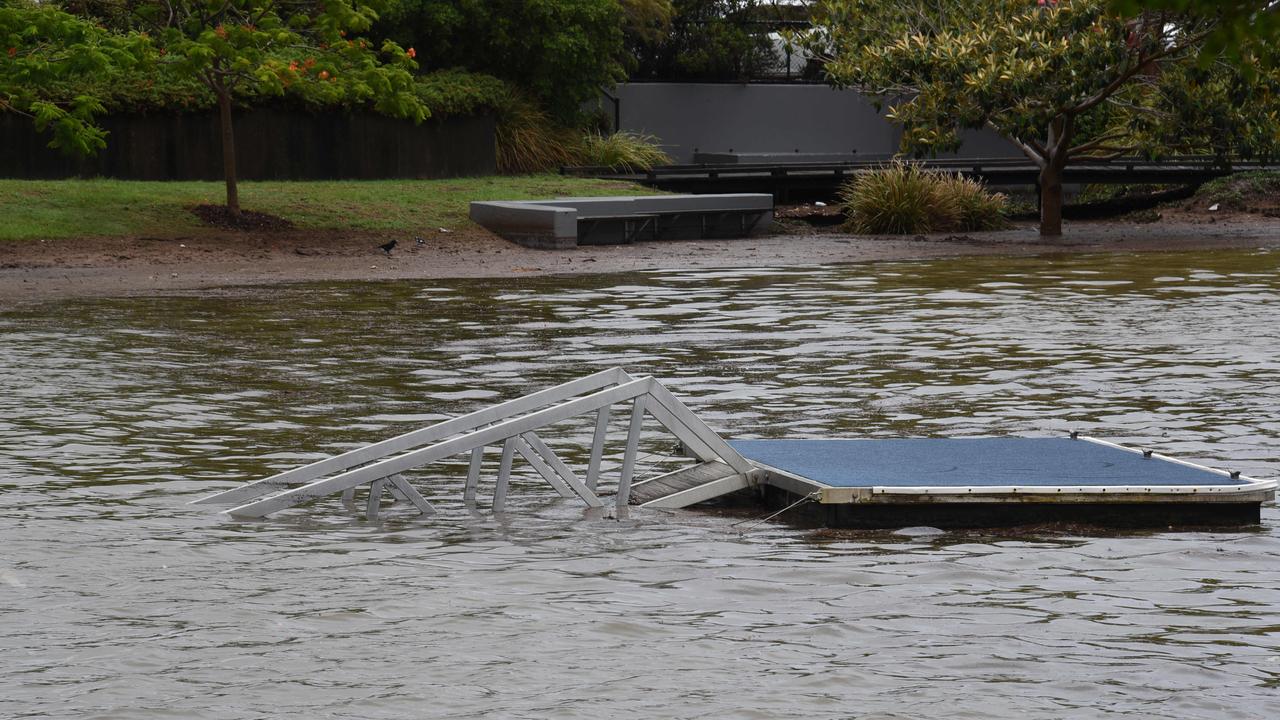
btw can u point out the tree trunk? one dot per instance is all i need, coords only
(229, 153)
(1051, 198)
(1055, 159)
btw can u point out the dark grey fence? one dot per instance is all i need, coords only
(271, 144)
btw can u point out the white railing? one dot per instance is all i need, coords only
(512, 424)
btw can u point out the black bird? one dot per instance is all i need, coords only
(420, 240)
(388, 247)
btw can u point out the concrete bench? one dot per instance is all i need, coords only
(568, 222)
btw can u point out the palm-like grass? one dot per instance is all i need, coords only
(904, 199)
(622, 151)
(528, 141)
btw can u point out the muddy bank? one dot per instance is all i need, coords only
(35, 271)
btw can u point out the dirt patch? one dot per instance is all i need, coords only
(813, 213)
(34, 271)
(248, 220)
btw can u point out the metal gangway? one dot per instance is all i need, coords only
(515, 425)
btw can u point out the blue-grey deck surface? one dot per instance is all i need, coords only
(972, 462)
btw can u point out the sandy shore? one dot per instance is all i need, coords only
(38, 271)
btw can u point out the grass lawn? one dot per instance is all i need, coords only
(55, 209)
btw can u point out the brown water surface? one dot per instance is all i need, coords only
(120, 600)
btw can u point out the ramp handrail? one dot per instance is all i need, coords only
(417, 438)
(513, 424)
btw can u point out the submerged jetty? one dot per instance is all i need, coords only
(856, 483)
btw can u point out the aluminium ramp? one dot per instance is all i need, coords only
(689, 486)
(515, 427)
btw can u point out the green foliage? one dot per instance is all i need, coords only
(1243, 27)
(622, 151)
(529, 140)
(903, 199)
(263, 49)
(978, 209)
(560, 51)
(456, 92)
(1062, 80)
(42, 47)
(1241, 190)
(708, 40)
(647, 20)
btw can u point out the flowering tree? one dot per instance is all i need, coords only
(41, 46)
(267, 47)
(1060, 79)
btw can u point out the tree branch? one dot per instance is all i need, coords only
(1141, 62)
(1030, 148)
(1097, 143)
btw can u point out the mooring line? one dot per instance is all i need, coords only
(811, 496)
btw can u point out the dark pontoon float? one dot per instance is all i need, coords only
(866, 483)
(985, 482)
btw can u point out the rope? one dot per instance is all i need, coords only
(807, 498)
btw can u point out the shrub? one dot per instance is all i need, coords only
(623, 151)
(903, 199)
(456, 92)
(529, 141)
(977, 208)
(560, 51)
(1238, 191)
(898, 199)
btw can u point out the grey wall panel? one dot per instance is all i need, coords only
(768, 118)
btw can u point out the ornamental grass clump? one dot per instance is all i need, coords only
(899, 199)
(622, 151)
(904, 199)
(529, 141)
(977, 209)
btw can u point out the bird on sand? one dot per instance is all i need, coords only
(388, 247)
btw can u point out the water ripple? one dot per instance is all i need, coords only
(119, 600)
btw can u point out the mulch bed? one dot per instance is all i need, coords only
(217, 216)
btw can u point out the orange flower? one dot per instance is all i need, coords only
(311, 62)
(324, 74)
(13, 52)
(411, 53)
(293, 65)
(342, 33)
(220, 32)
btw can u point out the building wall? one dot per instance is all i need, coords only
(693, 118)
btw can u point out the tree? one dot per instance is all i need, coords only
(717, 40)
(270, 47)
(646, 19)
(41, 47)
(1060, 79)
(560, 51)
(1241, 24)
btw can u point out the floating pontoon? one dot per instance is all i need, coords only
(865, 483)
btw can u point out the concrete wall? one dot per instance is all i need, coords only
(768, 118)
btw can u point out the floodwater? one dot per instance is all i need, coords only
(120, 600)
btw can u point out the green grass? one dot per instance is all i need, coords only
(1240, 190)
(56, 209)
